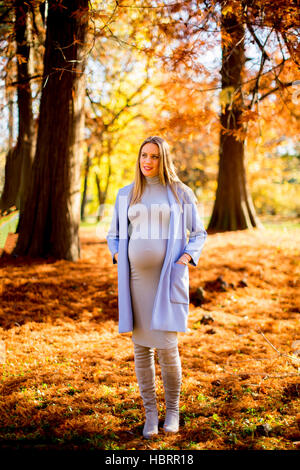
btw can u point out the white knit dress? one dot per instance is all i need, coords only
(148, 237)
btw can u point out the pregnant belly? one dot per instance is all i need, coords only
(146, 253)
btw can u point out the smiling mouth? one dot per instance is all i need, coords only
(147, 168)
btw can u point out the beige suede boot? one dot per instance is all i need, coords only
(170, 364)
(145, 373)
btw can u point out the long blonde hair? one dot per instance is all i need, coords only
(166, 171)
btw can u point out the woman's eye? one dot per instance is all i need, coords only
(153, 156)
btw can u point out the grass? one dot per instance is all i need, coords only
(8, 224)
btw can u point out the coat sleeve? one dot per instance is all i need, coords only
(112, 236)
(198, 234)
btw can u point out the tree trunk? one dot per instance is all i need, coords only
(52, 210)
(87, 166)
(19, 159)
(233, 208)
(10, 120)
(26, 137)
(103, 194)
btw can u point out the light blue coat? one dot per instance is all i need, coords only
(171, 304)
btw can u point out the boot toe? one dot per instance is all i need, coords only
(171, 424)
(150, 434)
(151, 426)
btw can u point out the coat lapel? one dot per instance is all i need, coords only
(174, 221)
(123, 210)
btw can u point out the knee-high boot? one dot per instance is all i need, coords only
(170, 364)
(145, 373)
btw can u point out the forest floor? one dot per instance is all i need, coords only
(67, 376)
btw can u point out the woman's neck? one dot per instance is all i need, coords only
(152, 179)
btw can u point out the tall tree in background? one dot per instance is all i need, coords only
(182, 24)
(19, 158)
(26, 138)
(50, 222)
(233, 207)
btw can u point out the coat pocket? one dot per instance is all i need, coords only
(179, 284)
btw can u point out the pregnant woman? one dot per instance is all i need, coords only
(155, 312)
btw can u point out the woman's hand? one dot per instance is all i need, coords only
(184, 259)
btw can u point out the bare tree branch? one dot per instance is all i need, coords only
(294, 358)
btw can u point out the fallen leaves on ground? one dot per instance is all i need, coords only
(68, 377)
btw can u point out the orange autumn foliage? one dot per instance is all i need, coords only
(68, 377)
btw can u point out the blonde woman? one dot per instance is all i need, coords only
(148, 240)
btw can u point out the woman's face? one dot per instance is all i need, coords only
(149, 160)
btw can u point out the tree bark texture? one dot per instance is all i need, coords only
(26, 137)
(20, 158)
(51, 219)
(233, 207)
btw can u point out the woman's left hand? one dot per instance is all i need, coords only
(184, 259)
